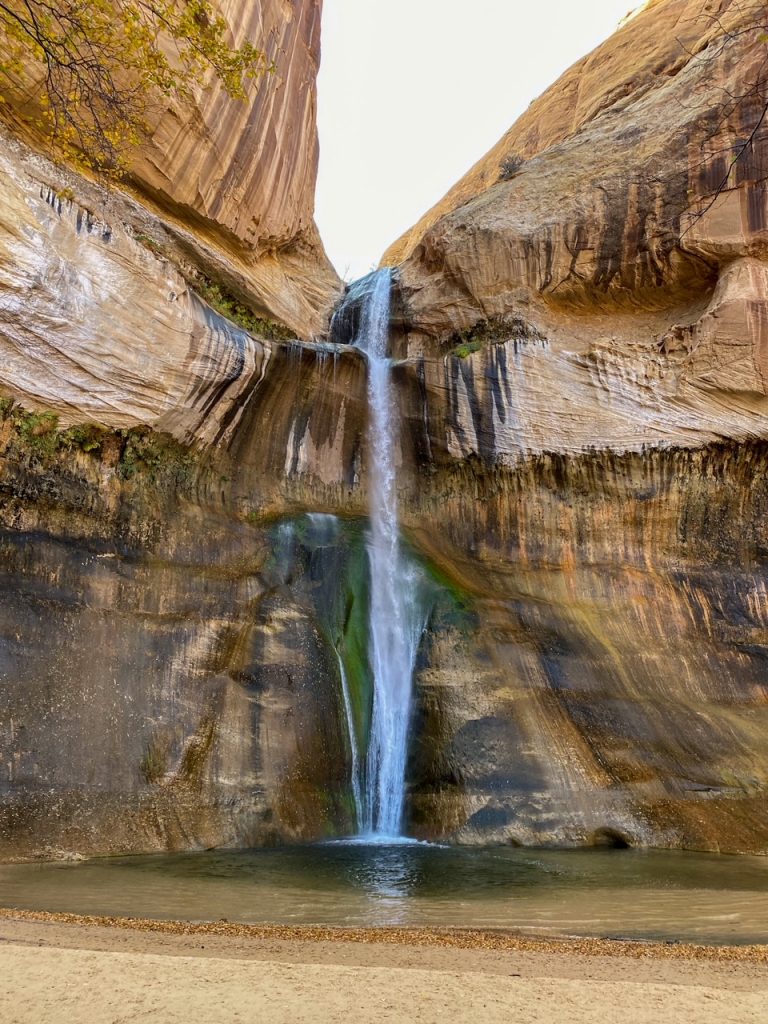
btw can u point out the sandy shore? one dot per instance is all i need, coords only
(63, 968)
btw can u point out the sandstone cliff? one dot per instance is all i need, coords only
(585, 330)
(105, 329)
(228, 184)
(583, 473)
(165, 680)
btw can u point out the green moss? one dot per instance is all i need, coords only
(38, 433)
(466, 349)
(88, 437)
(37, 425)
(154, 764)
(351, 640)
(332, 561)
(36, 437)
(452, 604)
(149, 243)
(153, 455)
(226, 304)
(342, 612)
(493, 331)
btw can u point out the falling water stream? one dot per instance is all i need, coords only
(397, 616)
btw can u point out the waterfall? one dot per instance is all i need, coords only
(357, 784)
(397, 618)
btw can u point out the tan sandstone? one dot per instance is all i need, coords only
(234, 180)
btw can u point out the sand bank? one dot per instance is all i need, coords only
(61, 968)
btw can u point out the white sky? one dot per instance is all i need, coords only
(412, 92)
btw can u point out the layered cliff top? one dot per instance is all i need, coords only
(602, 273)
(110, 297)
(641, 56)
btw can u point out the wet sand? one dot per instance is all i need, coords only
(66, 969)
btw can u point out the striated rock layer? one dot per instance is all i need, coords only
(135, 461)
(612, 683)
(585, 327)
(230, 183)
(632, 292)
(164, 681)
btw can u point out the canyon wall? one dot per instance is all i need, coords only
(582, 472)
(223, 188)
(167, 669)
(132, 563)
(583, 322)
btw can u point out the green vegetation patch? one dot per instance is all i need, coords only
(140, 450)
(147, 452)
(466, 349)
(231, 308)
(217, 296)
(494, 331)
(39, 435)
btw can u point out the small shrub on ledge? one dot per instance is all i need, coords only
(494, 331)
(510, 166)
(226, 304)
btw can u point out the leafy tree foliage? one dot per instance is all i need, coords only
(102, 64)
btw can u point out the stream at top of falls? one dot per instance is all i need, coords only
(397, 615)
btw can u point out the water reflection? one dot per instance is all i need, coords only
(641, 894)
(389, 876)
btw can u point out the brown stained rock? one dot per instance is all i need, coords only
(599, 477)
(242, 174)
(97, 321)
(161, 689)
(610, 240)
(246, 168)
(613, 677)
(640, 58)
(233, 181)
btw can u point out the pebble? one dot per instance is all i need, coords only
(457, 938)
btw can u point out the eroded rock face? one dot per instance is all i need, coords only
(243, 173)
(586, 381)
(639, 64)
(98, 322)
(612, 679)
(246, 168)
(161, 687)
(582, 468)
(595, 666)
(229, 183)
(644, 288)
(168, 676)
